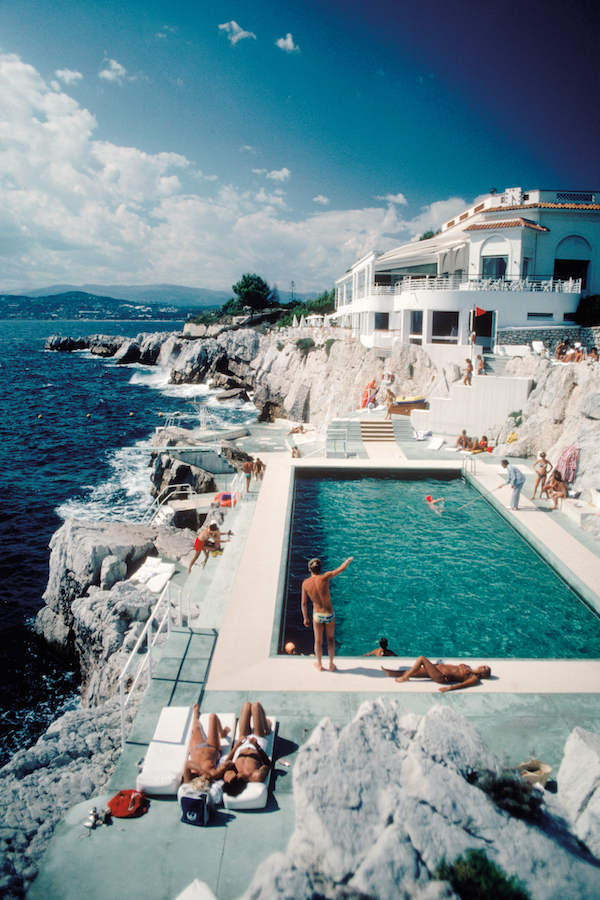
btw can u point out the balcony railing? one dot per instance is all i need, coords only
(453, 283)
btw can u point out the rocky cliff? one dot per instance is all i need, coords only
(382, 802)
(562, 410)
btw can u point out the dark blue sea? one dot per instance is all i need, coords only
(55, 463)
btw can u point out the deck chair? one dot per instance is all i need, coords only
(162, 769)
(435, 443)
(255, 794)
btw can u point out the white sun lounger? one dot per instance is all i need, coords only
(167, 752)
(436, 443)
(256, 793)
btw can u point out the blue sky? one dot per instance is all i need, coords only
(190, 142)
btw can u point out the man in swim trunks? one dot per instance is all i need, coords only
(204, 750)
(247, 760)
(454, 677)
(316, 589)
(247, 469)
(208, 539)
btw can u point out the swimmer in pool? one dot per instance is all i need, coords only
(436, 505)
(316, 589)
(454, 677)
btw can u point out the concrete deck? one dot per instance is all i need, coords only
(225, 656)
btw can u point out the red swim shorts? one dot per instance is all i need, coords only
(198, 545)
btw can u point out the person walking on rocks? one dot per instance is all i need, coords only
(316, 589)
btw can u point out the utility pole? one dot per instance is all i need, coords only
(292, 286)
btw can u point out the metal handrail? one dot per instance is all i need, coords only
(147, 659)
(163, 497)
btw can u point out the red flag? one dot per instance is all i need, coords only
(479, 311)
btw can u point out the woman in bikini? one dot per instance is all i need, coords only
(453, 677)
(247, 760)
(541, 467)
(204, 750)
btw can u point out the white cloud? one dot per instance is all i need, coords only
(69, 76)
(400, 199)
(235, 33)
(259, 171)
(76, 209)
(165, 31)
(287, 44)
(321, 200)
(113, 71)
(279, 174)
(247, 148)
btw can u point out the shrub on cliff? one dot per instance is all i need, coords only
(474, 877)
(305, 345)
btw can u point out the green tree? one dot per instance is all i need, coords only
(253, 291)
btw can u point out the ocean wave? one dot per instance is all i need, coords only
(125, 495)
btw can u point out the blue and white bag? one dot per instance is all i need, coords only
(197, 810)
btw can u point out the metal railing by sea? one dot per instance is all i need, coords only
(454, 283)
(160, 618)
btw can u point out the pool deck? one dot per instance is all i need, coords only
(225, 655)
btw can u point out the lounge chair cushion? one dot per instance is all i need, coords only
(165, 758)
(255, 794)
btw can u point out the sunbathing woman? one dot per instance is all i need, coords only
(454, 677)
(205, 751)
(247, 760)
(541, 467)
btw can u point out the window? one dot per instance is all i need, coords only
(382, 321)
(416, 321)
(494, 266)
(570, 317)
(444, 327)
(540, 315)
(525, 267)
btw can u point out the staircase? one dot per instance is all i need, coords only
(377, 430)
(494, 365)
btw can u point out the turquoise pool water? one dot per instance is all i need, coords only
(461, 584)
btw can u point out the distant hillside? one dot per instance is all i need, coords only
(85, 305)
(172, 294)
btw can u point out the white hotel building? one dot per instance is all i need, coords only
(525, 257)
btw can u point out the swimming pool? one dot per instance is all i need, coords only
(461, 584)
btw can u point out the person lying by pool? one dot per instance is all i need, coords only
(316, 589)
(247, 760)
(205, 749)
(381, 650)
(454, 677)
(436, 505)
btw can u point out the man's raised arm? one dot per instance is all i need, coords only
(339, 569)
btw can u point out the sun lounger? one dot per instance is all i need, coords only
(165, 758)
(435, 443)
(153, 573)
(255, 794)
(167, 752)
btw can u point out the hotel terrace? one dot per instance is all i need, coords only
(517, 259)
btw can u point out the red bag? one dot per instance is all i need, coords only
(128, 804)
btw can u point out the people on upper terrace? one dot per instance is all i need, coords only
(463, 441)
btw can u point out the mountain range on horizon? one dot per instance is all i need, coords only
(174, 294)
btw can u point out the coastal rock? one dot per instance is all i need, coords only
(65, 344)
(380, 803)
(72, 761)
(167, 471)
(105, 344)
(112, 570)
(128, 352)
(579, 786)
(150, 345)
(591, 406)
(196, 360)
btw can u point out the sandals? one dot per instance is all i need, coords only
(95, 818)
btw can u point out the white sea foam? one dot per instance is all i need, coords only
(124, 495)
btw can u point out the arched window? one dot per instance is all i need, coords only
(572, 259)
(494, 257)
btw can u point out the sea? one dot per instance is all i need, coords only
(75, 434)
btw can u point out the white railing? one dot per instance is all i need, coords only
(162, 608)
(163, 497)
(470, 465)
(453, 283)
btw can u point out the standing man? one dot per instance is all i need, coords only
(247, 469)
(316, 589)
(516, 480)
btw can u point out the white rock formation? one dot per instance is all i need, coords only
(579, 786)
(379, 804)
